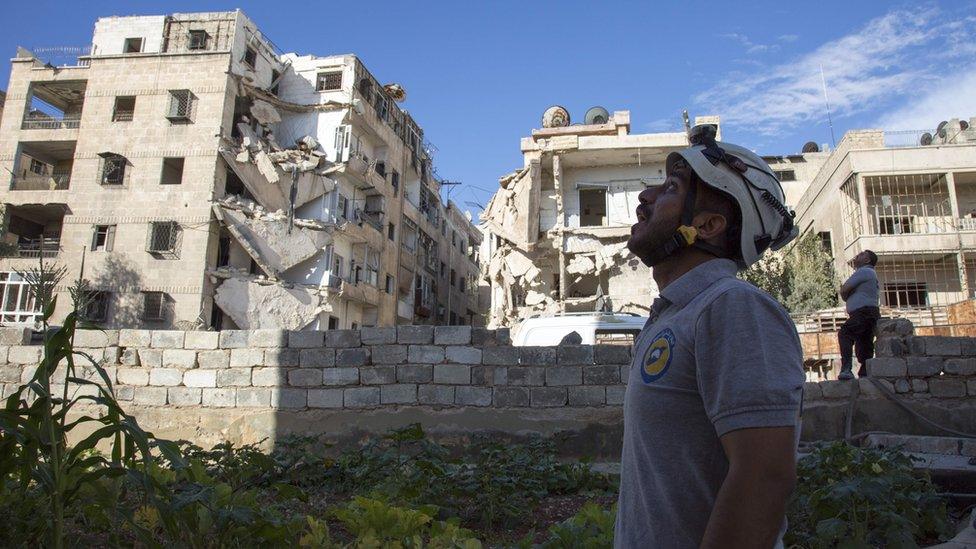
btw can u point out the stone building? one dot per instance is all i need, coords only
(205, 179)
(557, 228)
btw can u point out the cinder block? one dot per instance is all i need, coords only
(947, 388)
(130, 357)
(462, 354)
(15, 336)
(601, 374)
(943, 346)
(482, 337)
(184, 396)
(488, 376)
(971, 386)
(282, 357)
(564, 375)
(547, 397)
(389, 354)
(251, 397)
(378, 336)
(916, 345)
(615, 395)
(960, 366)
(10, 374)
(342, 338)
(500, 356)
(165, 377)
(234, 377)
(179, 358)
(95, 338)
(574, 355)
(452, 374)
(233, 339)
(887, 367)
(305, 377)
(219, 398)
(624, 373)
(536, 356)
(27, 372)
(289, 398)
(611, 354)
(25, 354)
(890, 346)
(200, 378)
(268, 377)
(526, 375)
(213, 359)
(132, 376)
(837, 388)
(325, 398)
(415, 335)
(267, 338)
(167, 339)
(436, 395)
(306, 339)
(246, 357)
(153, 396)
(924, 366)
(511, 397)
(340, 376)
(317, 358)
(360, 397)
(503, 336)
(812, 391)
(414, 373)
(452, 335)
(201, 340)
(466, 395)
(358, 356)
(151, 358)
(401, 393)
(428, 354)
(135, 338)
(378, 375)
(124, 392)
(587, 395)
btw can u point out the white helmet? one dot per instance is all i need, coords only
(745, 178)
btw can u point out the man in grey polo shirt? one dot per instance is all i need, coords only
(856, 335)
(711, 414)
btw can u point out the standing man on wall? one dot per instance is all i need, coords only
(860, 292)
(711, 414)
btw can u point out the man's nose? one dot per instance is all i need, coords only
(649, 195)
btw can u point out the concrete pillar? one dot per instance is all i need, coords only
(954, 226)
(963, 274)
(862, 202)
(557, 178)
(953, 200)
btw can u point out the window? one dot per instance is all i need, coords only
(172, 171)
(38, 167)
(785, 175)
(95, 306)
(103, 238)
(453, 277)
(333, 323)
(163, 237)
(113, 168)
(389, 284)
(395, 182)
(251, 57)
(17, 303)
(223, 251)
(906, 294)
(132, 45)
(153, 306)
(826, 242)
(328, 81)
(342, 207)
(895, 224)
(453, 238)
(337, 265)
(593, 207)
(198, 39)
(391, 231)
(125, 108)
(615, 337)
(180, 105)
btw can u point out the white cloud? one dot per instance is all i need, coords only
(948, 97)
(891, 57)
(788, 37)
(749, 45)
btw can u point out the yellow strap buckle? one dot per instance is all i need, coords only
(689, 234)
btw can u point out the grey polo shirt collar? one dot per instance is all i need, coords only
(690, 284)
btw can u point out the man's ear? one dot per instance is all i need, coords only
(710, 225)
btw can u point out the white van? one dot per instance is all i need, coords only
(593, 328)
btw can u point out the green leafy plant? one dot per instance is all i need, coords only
(590, 528)
(376, 523)
(854, 497)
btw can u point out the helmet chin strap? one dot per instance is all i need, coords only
(686, 234)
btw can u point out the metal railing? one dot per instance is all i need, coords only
(46, 247)
(57, 181)
(122, 116)
(51, 123)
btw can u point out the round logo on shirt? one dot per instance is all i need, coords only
(658, 357)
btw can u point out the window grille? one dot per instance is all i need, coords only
(180, 105)
(328, 81)
(153, 306)
(163, 237)
(96, 306)
(125, 107)
(198, 40)
(785, 175)
(251, 57)
(906, 294)
(113, 169)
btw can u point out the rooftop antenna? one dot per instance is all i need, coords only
(823, 82)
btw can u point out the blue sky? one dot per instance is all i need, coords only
(479, 75)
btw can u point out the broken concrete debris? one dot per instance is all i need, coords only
(252, 305)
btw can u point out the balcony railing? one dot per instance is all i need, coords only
(334, 282)
(967, 224)
(51, 123)
(122, 116)
(57, 181)
(373, 218)
(38, 247)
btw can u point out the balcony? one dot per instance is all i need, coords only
(54, 105)
(46, 247)
(57, 181)
(42, 121)
(34, 231)
(43, 166)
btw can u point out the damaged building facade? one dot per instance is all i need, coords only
(206, 180)
(557, 229)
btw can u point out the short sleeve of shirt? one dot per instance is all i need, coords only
(749, 362)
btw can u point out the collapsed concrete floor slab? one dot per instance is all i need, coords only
(269, 241)
(255, 305)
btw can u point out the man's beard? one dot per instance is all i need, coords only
(648, 240)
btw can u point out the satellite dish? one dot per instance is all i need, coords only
(555, 117)
(963, 125)
(926, 139)
(811, 147)
(596, 115)
(940, 130)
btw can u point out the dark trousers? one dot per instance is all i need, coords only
(857, 334)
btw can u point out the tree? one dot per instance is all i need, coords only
(802, 278)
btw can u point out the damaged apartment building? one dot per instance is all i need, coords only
(557, 229)
(204, 179)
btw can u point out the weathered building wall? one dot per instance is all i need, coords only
(457, 381)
